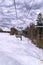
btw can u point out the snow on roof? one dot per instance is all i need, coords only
(38, 26)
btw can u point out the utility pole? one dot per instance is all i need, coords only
(20, 28)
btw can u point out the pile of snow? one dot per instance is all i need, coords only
(14, 51)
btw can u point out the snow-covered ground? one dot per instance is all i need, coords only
(13, 51)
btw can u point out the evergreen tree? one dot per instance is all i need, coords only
(39, 19)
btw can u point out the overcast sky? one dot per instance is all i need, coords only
(27, 11)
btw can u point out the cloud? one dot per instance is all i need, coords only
(26, 9)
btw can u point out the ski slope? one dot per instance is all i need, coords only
(13, 51)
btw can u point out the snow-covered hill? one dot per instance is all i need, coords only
(27, 11)
(13, 51)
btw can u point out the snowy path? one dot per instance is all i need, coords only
(13, 51)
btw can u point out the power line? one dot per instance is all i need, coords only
(15, 8)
